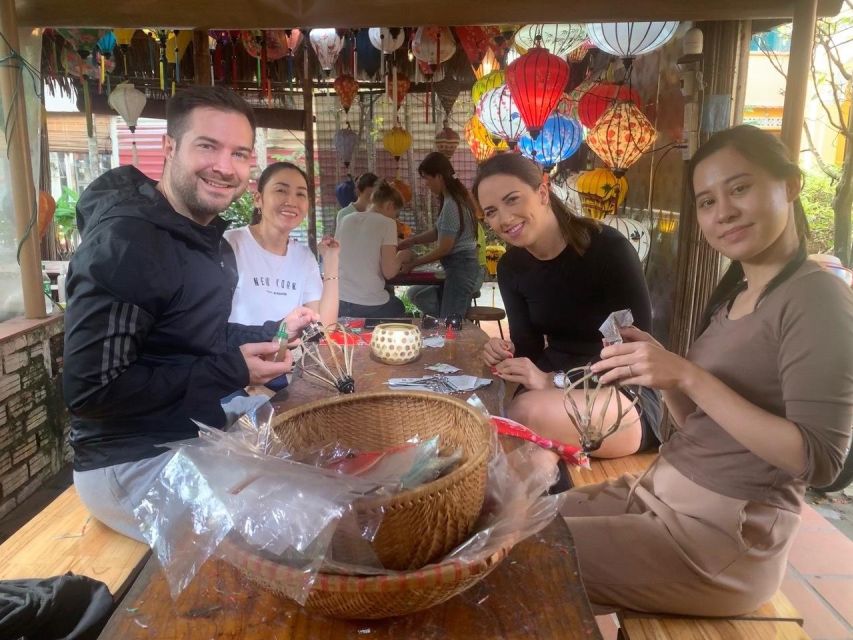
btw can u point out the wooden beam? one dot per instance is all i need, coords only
(201, 57)
(308, 106)
(20, 166)
(262, 14)
(742, 74)
(797, 82)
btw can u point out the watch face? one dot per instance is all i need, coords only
(560, 380)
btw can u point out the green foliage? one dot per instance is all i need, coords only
(411, 309)
(65, 217)
(239, 214)
(818, 190)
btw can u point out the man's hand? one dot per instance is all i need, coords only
(262, 371)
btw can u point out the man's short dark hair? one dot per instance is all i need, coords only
(365, 181)
(184, 101)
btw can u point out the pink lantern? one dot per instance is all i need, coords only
(327, 44)
(433, 45)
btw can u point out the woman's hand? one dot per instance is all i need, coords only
(642, 360)
(297, 320)
(329, 249)
(497, 350)
(524, 372)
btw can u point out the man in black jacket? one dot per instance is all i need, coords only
(148, 346)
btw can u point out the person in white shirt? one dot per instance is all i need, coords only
(369, 256)
(364, 186)
(277, 274)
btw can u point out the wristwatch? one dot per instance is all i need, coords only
(560, 379)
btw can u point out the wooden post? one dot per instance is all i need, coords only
(744, 38)
(20, 166)
(201, 57)
(308, 106)
(799, 64)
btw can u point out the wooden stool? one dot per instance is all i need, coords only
(486, 314)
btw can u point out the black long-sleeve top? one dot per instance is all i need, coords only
(563, 301)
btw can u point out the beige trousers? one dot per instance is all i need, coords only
(675, 547)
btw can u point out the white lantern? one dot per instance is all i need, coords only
(386, 41)
(636, 232)
(568, 192)
(630, 39)
(129, 102)
(499, 114)
(433, 45)
(559, 39)
(327, 44)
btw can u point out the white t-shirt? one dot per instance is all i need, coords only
(270, 286)
(362, 236)
(343, 213)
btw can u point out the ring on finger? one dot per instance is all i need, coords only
(630, 371)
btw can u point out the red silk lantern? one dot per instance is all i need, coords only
(601, 96)
(537, 81)
(347, 88)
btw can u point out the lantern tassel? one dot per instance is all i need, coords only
(134, 154)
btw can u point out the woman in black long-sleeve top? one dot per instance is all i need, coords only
(561, 278)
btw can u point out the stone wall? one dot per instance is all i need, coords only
(33, 418)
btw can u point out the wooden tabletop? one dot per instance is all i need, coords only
(534, 594)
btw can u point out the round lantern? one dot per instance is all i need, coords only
(386, 40)
(480, 140)
(280, 42)
(568, 192)
(537, 80)
(559, 39)
(433, 45)
(636, 232)
(347, 88)
(345, 141)
(499, 114)
(601, 192)
(404, 189)
(489, 81)
(621, 136)
(397, 141)
(129, 102)
(446, 141)
(630, 39)
(601, 96)
(327, 44)
(559, 138)
(579, 53)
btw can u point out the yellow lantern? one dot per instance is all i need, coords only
(491, 80)
(123, 36)
(667, 222)
(397, 141)
(601, 192)
(480, 140)
(621, 136)
(176, 45)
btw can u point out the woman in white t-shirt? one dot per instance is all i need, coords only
(277, 274)
(369, 255)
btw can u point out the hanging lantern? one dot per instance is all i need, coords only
(347, 89)
(368, 55)
(176, 45)
(386, 40)
(577, 54)
(448, 91)
(537, 80)
(634, 231)
(403, 187)
(488, 64)
(477, 42)
(327, 44)
(621, 136)
(489, 81)
(129, 102)
(397, 141)
(499, 114)
(601, 96)
(446, 141)
(345, 141)
(566, 106)
(559, 39)
(558, 140)
(568, 192)
(480, 140)
(630, 39)
(601, 192)
(83, 41)
(433, 45)
(403, 85)
(280, 42)
(667, 221)
(123, 37)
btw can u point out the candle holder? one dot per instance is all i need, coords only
(396, 343)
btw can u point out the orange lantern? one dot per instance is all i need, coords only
(405, 191)
(480, 140)
(347, 88)
(403, 85)
(446, 141)
(621, 136)
(47, 207)
(601, 192)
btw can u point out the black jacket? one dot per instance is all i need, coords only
(148, 346)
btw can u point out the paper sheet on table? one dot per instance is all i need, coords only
(461, 383)
(434, 341)
(443, 368)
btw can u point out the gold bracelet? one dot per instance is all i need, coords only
(331, 278)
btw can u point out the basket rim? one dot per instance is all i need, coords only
(437, 486)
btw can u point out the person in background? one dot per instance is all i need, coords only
(148, 345)
(456, 235)
(560, 278)
(762, 406)
(276, 273)
(369, 256)
(364, 186)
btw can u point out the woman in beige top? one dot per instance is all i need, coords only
(763, 406)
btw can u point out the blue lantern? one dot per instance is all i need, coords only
(559, 139)
(369, 57)
(106, 44)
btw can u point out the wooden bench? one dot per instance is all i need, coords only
(64, 537)
(776, 619)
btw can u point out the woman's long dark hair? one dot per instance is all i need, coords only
(437, 164)
(265, 177)
(576, 231)
(764, 150)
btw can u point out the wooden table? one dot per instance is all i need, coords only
(535, 593)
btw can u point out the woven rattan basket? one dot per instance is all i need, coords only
(369, 597)
(421, 525)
